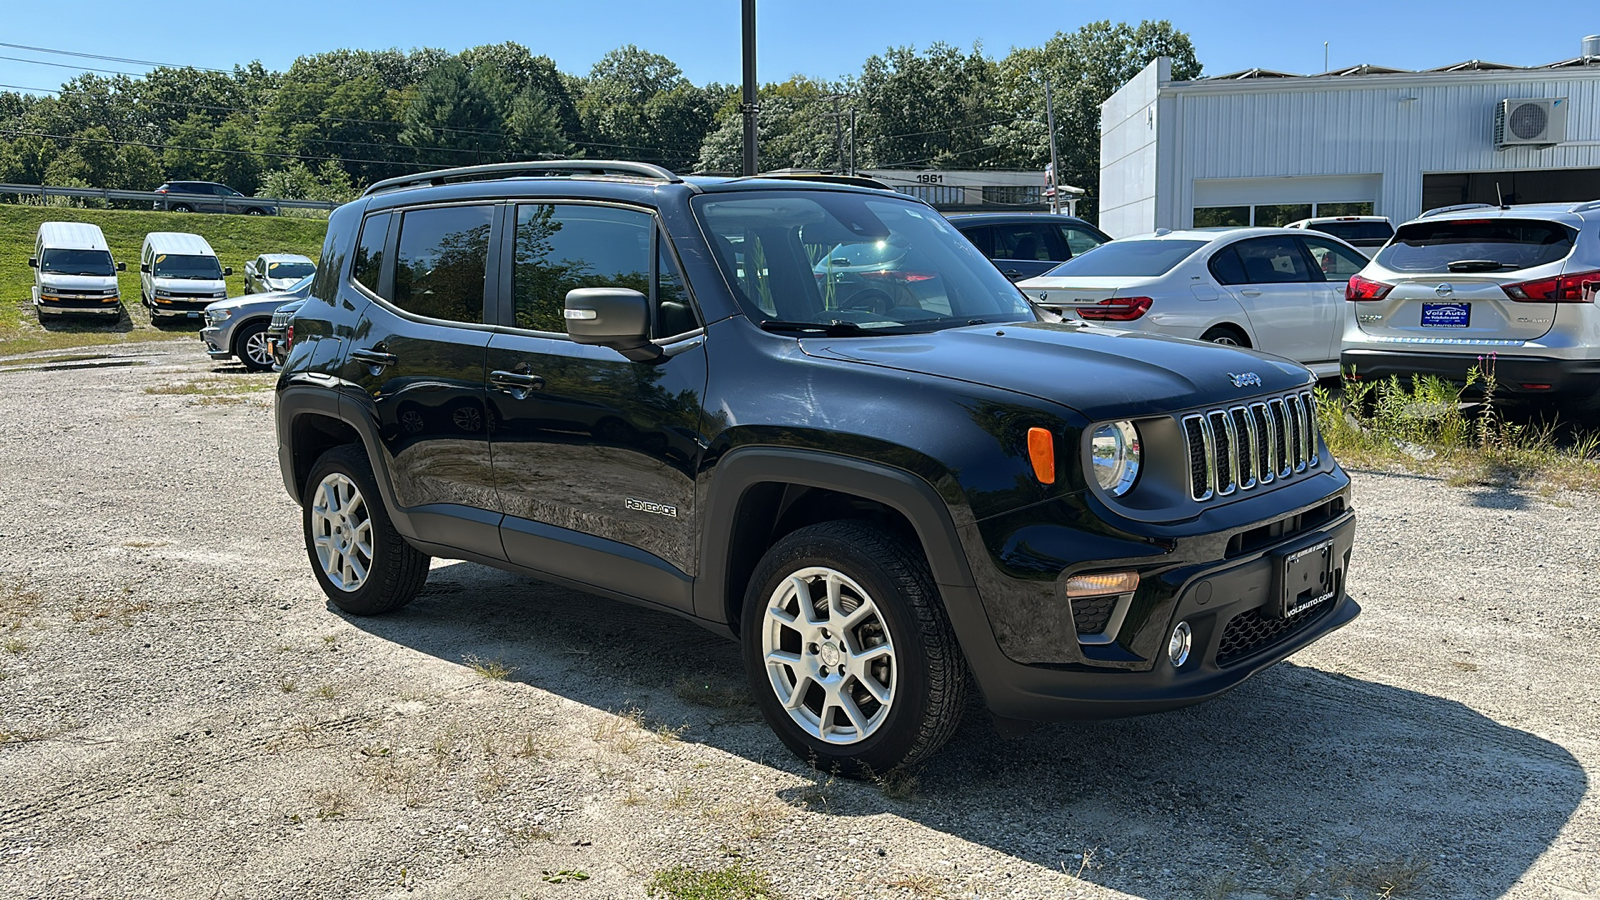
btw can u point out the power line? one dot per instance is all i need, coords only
(120, 59)
(40, 62)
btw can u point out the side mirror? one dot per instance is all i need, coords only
(144, 267)
(33, 262)
(613, 317)
(122, 267)
(227, 271)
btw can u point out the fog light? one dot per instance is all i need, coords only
(1178, 645)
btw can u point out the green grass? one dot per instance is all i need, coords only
(727, 883)
(237, 240)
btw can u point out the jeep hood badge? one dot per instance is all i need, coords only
(1245, 379)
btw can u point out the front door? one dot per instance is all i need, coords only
(594, 455)
(418, 357)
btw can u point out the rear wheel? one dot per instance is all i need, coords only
(849, 651)
(360, 560)
(1225, 335)
(183, 207)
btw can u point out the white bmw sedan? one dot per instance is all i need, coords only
(1274, 289)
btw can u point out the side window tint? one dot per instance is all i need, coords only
(1029, 242)
(369, 252)
(1335, 262)
(1078, 240)
(439, 265)
(561, 247)
(674, 312)
(1273, 260)
(982, 238)
(1226, 268)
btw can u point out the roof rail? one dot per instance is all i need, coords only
(1445, 209)
(1590, 206)
(827, 178)
(530, 169)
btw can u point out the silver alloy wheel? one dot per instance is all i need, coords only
(255, 347)
(341, 532)
(829, 656)
(1226, 340)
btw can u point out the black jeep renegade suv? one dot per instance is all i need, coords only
(810, 416)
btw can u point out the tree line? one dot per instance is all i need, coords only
(336, 121)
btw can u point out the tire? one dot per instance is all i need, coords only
(182, 207)
(252, 211)
(250, 345)
(342, 502)
(817, 665)
(1226, 336)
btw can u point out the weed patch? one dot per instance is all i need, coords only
(727, 883)
(492, 669)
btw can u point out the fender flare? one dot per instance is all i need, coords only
(740, 470)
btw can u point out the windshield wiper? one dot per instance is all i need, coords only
(832, 328)
(1478, 265)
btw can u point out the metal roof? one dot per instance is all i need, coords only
(1471, 65)
(72, 236)
(179, 243)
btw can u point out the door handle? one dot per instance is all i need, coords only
(1250, 292)
(517, 384)
(375, 358)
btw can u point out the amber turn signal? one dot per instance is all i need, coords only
(1042, 451)
(1102, 584)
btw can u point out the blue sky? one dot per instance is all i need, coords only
(702, 36)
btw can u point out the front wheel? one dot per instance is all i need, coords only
(251, 347)
(849, 651)
(360, 560)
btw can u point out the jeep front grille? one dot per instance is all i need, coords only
(1249, 445)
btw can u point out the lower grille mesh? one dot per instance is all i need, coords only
(1090, 615)
(1252, 630)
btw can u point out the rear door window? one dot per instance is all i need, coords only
(1033, 241)
(1476, 245)
(1337, 263)
(440, 262)
(1273, 260)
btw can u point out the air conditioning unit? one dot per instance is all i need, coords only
(1522, 123)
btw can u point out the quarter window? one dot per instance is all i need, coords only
(439, 265)
(369, 251)
(1079, 240)
(1028, 242)
(562, 247)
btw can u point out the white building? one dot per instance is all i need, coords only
(1267, 148)
(970, 190)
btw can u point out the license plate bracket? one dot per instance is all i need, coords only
(1306, 578)
(1446, 315)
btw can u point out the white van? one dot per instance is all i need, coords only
(179, 275)
(73, 271)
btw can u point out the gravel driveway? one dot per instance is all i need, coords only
(182, 715)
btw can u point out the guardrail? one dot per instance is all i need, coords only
(238, 204)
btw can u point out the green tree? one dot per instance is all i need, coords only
(929, 110)
(451, 120)
(1084, 67)
(802, 124)
(638, 105)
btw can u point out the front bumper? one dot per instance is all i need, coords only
(109, 309)
(216, 340)
(1528, 376)
(1230, 604)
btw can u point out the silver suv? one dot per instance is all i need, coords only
(1514, 287)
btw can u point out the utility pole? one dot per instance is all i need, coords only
(852, 139)
(749, 107)
(1055, 168)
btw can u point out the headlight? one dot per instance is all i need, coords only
(1114, 451)
(218, 316)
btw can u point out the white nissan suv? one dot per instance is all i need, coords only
(1511, 287)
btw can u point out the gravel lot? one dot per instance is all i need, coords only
(182, 715)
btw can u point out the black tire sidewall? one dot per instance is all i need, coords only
(243, 338)
(388, 547)
(887, 747)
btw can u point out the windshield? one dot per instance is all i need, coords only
(77, 262)
(290, 269)
(197, 267)
(1483, 245)
(853, 260)
(1127, 259)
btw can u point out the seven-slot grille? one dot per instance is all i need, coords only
(1251, 444)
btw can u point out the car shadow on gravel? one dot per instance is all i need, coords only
(1301, 780)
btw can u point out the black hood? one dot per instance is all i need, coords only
(1102, 374)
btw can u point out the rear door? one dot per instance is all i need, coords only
(417, 357)
(1271, 277)
(1025, 249)
(595, 455)
(1336, 263)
